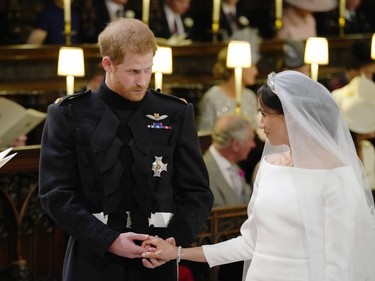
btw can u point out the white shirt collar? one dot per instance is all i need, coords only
(171, 18)
(221, 161)
(229, 9)
(112, 8)
(224, 165)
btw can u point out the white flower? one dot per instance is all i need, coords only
(188, 22)
(244, 21)
(130, 14)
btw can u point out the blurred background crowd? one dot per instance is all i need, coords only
(41, 21)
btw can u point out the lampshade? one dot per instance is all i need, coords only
(373, 47)
(316, 50)
(71, 62)
(239, 54)
(162, 62)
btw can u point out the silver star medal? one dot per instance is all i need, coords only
(158, 166)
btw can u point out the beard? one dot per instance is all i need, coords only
(135, 93)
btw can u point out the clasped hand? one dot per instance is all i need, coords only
(159, 251)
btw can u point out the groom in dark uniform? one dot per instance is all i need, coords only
(121, 163)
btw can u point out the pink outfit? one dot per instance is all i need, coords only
(296, 27)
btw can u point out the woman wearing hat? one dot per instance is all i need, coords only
(294, 57)
(298, 20)
(357, 104)
(359, 62)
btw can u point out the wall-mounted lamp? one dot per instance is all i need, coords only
(162, 64)
(238, 57)
(316, 52)
(373, 47)
(71, 63)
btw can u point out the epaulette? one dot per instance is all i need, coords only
(159, 93)
(70, 97)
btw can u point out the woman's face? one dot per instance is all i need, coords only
(249, 74)
(274, 126)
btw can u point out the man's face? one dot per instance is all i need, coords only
(131, 78)
(353, 5)
(243, 148)
(179, 6)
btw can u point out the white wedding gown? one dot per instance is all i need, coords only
(273, 236)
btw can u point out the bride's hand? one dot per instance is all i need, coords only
(159, 251)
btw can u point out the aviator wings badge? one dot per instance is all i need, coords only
(157, 116)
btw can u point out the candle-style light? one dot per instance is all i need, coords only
(67, 22)
(373, 47)
(71, 63)
(238, 57)
(278, 14)
(342, 9)
(215, 16)
(145, 11)
(316, 52)
(162, 64)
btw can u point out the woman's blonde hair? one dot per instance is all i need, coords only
(220, 69)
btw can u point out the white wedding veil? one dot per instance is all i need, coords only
(320, 140)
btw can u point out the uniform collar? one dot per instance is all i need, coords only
(114, 100)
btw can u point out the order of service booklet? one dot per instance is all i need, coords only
(15, 120)
(3, 158)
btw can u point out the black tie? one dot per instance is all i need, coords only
(119, 13)
(175, 26)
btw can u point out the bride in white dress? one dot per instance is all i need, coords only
(311, 216)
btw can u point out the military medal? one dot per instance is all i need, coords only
(158, 125)
(158, 166)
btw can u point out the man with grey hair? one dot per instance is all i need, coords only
(232, 141)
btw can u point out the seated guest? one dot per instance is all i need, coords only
(98, 14)
(231, 18)
(221, 99)
(50, 25)
(357, 104)
(359, 62)
(356, 20)
(232, 141)
(298, 21)
(294, 57)
(172, 19)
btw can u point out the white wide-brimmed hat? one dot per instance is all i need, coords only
(357, 104)
(314, 5)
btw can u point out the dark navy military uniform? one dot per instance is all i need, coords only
(127, 161)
